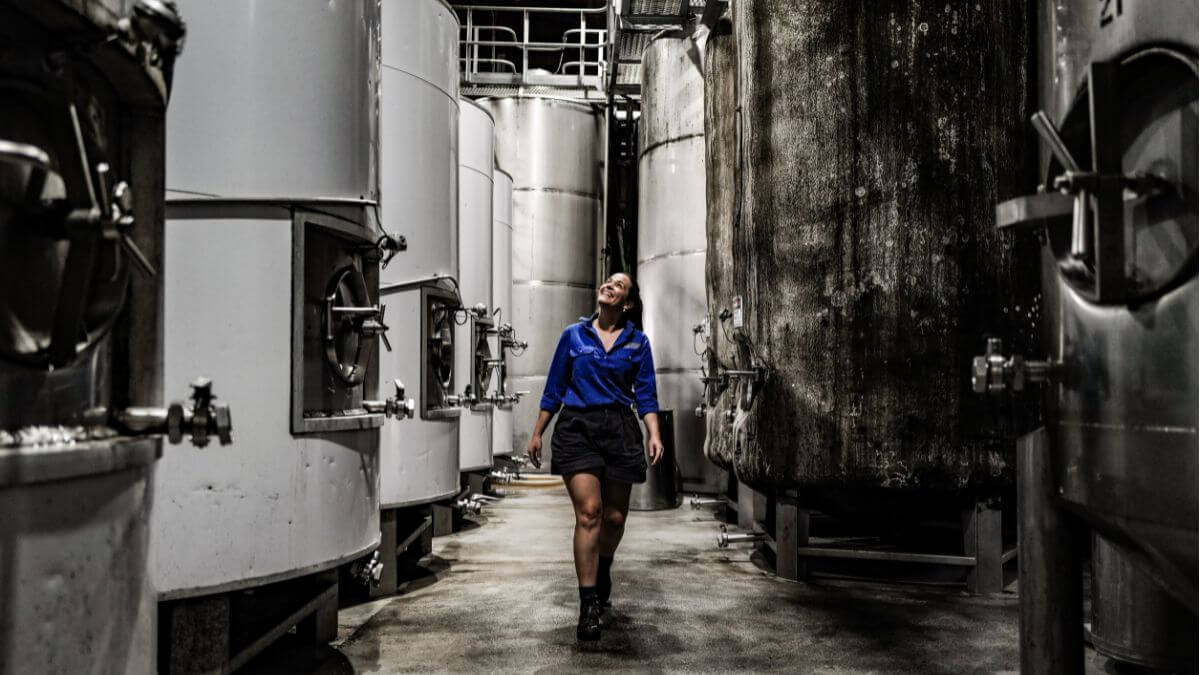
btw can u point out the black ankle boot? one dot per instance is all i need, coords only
(589, 616)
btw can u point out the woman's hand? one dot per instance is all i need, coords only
(654, 448)
(534, 450)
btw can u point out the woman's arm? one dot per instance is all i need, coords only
(645, 391)
(552, 396)
(654, 446)
(535, 441)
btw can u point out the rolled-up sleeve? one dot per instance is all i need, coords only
(556, 379)
(645, 389)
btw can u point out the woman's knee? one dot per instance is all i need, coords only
(589, 515)
(614, 519)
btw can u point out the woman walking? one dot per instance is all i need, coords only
(602, 367)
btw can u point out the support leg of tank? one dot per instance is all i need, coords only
(478, 482)
(387, 554)
(982, 538)
(443, 520)
(320, 627)
(791, 532)
(194, 635)
(1050, 563)
(752, 507)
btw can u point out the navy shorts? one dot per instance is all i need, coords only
(607, 439)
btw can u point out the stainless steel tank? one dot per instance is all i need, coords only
(1118, 266)
(419, 459)
(671, 237)
(473, 336)
(872, 145)
(273, 246)
(721, 193)
(502, 294)
(554, 150)
(81, 180)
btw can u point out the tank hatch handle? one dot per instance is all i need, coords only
(1091, 201)
(995, 373)
(108, 218)
(346, 287)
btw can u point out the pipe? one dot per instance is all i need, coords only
(697, 501)
(724, 539)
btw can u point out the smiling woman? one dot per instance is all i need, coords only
(602, 369)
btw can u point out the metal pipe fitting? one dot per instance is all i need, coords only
(201, 420)
(468, 506)
(724, 538)
(367, 571)
(397, 406)
(697, 501)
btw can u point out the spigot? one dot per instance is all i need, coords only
(201, 420)
(698, 502)
(397, 407)
(994, 373)
(504, 476)
(453, 400)
(204, 419)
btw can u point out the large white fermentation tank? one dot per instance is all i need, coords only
(472, 343)
(671, 237)
(81, 331)
(554, 150)
(419, 156)
(272, 182)
(502, 293)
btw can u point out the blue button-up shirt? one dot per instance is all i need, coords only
(583, 374)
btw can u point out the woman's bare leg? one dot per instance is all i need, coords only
(615, 500)
(584, 488)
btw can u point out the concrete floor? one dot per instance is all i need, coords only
(501, 597)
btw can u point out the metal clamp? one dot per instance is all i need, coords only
(388, 246)
(994, 373)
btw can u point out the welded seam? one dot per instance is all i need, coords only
(575, 193)
(673, 254)
(654, 146)
(539, 282)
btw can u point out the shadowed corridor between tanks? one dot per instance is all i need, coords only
(501, 597)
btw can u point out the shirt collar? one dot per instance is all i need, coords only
(625, 336)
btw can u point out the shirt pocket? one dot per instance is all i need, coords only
(585, 350)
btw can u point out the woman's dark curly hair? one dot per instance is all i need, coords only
(634, 313)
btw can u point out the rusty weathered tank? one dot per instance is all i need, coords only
(720, 158)
(861, 253)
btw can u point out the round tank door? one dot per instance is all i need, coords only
(1128, 159)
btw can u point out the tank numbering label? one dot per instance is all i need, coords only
(738, 318)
